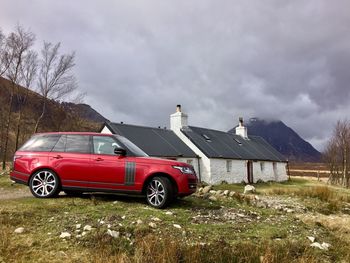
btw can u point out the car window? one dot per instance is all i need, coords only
(104, 145)
(78, 144)
(41, 143)
(60, 145)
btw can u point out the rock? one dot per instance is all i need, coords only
(256, 197)
(232, 193)
(312, 239)
(84, 233)
(212, 198)
(123, 217)
(289, 210)
(212, 192)
(156, 219)
(112, 233)
(139, 221)
(87, 228)
(249, 189)
(200, 190)
(65, 235)
(177, 226)
(19, 230)
(226, 192)
(261, 205)
(153, 225)
(169, 213)
(219, 192)
(78, 226)
(206, 189)
(323, 246)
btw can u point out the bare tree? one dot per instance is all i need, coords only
(337, 154)
(17, 44)
(28, 71)
(56, 80)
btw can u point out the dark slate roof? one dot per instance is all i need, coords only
(154, 141)
(218, 144)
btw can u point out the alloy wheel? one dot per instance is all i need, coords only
(155, 193)
(44, 183)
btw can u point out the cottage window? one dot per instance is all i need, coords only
(228, 166)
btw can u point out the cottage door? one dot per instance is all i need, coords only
(250, 172)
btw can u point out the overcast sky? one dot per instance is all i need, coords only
(137, 59)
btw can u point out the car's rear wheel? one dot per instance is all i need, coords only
(159, 192)
(44, 184)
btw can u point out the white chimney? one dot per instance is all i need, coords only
(178, 119)
(241, 130)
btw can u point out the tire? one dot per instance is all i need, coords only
(44, 184)
(73, 193)
(159, 192)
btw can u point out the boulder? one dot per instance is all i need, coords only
(249, 189)
(112, 233)
(65, 235)
(19, 230)
(226, 192)
(206, 189)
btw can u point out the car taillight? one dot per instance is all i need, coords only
(14, 160)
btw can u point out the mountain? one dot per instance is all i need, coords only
(26, 108)
(284, 139)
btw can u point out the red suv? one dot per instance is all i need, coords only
(94, 162)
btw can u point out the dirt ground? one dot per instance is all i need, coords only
(15, 193)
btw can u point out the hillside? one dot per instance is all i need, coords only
(284, 139)
(58, 116)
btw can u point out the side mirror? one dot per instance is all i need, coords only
(120, 151)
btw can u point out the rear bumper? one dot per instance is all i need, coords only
(19, 177)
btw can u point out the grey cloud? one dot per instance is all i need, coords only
(136, 60)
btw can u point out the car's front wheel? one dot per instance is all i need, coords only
(44, 184)
(159, 192)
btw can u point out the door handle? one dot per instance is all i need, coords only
(57, 157)
(98, 159)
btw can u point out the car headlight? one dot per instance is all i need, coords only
(184, 169)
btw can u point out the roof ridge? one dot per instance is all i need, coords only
(138, 126)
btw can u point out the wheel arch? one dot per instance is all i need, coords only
(160, 174)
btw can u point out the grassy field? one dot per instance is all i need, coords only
(271, 226)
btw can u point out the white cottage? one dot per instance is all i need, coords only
(228, 157)
(216, 156)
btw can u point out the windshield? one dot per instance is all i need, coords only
(132, 147)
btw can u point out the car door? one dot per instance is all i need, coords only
(108, 168)
(71, 159)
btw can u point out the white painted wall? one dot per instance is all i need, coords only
(106, 130)
(194, 162)
(219, 171)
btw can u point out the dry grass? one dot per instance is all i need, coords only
(324, 193)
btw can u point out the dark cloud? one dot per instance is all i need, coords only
(136, 60)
